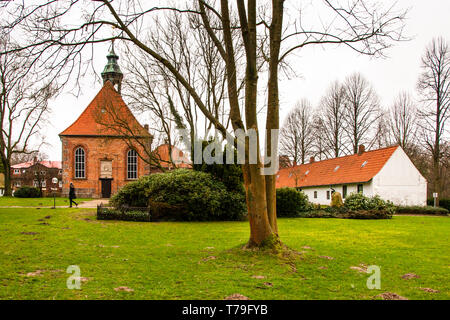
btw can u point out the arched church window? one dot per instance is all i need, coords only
(132, 164)
(80, 163)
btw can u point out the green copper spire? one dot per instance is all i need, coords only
(112, 71)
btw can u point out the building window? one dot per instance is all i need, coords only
(132, 164)
(60, 183)
(344, 192)
(315, 194)
(360, 188)
(43, 173)
(80, 163)
(44, 183)
(328, 194)
(59, 172)
(36, 183)
(16, 171)
(18, 184)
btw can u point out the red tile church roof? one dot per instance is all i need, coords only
(343, 170)
(106, 115)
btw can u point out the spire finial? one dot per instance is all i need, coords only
(112, 71)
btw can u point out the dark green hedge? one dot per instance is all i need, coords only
(291, 203)
(443, 203)
(421, 210)
(114, 214)
(183, 195)
(27, 192)
(348, 214)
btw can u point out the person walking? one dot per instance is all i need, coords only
(72, 195)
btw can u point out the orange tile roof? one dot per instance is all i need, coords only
(45, 163)
(342, 170)
(178, 157)
(106, 115)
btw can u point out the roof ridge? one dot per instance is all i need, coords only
(346, 156)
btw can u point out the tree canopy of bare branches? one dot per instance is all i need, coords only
(297, 132)
(434, 86)
(24, 99)
(362, 110)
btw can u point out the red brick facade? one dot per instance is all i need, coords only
(98, 149)
(104, 131)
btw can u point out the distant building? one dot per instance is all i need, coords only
(177, 159)
(38, 174)
(105, 147)
(386, 172)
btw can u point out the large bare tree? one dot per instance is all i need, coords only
(296, 135)
(23, 106)
(333, 113)
(267, 41)
(403, 122)
(362, 111)
(434, 86)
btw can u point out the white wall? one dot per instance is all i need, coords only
(400, 182)
(322, 192)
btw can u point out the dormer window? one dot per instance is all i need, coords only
(337, 168)
(363, 164)
(306, 173)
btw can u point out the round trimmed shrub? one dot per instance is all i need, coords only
(291, 202)
(196, 195)
(358, 201)
(27, 192)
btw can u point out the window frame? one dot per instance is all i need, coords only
(360, 188)
(79, 166)
(132, 167)
(315, 194)
(328, 194)
(344, 191)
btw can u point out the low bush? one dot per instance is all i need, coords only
(124, 215)
(336, 200)
(344, 213)
(443, 203)
(359, 202)
(27, 192)
(291, 202)
(422, 210)
(187, 195)
(366, 214)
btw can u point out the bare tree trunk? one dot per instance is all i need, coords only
(273, 107)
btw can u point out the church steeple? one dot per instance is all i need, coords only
(112, 71)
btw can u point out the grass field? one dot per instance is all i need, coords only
(204, 260)
(36, 202)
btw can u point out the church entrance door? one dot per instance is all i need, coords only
(106, 188)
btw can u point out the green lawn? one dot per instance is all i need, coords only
(36, 202)
(203, 260)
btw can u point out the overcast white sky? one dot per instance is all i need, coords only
(318, 67)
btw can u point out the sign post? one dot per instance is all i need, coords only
(435, 195)
(54, 181)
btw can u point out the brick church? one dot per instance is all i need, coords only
(105, 147)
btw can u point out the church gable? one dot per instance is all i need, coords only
(106, 115)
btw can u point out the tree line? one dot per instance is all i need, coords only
(350, 115)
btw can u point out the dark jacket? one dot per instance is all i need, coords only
(72, 193)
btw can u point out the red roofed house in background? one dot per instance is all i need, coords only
(105, 147)
(38, 174)
(177, 160)
(386, 172)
